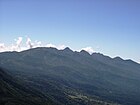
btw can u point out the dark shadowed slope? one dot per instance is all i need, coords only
(14, 92)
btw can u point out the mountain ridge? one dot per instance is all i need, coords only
(68, 50)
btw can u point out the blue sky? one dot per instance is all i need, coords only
(111, 27)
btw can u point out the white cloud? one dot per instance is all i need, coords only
(29, 43)
(13, 47)
(18, 42)
(2, 45)
(50, 45)
(61, 47)
(18, 46)
(38, 43)
(88, 49)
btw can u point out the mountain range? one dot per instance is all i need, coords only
(64, 77)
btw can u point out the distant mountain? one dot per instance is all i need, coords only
(76, 78)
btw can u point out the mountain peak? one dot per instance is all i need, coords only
(118, 58)
(97, 54)
(67, 50)
(83, 52)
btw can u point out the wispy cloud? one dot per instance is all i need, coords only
(88, 49)
(29, 43)
(2, 45)
(18, 42)
(50, 45)
(19, 45)
(59, 47)
(13, 47)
